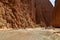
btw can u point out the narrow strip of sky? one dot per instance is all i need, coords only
(53, 2)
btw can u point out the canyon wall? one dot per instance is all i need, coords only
(43, 12)
(55, 21)
(25, 13)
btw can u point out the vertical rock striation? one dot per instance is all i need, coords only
(43, 12)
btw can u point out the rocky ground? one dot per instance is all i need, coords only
(30, 34)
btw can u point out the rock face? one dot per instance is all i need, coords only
(17, 13)
(43, 12)
(25, 13)
(56, 15)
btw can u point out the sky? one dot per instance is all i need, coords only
(53, 2)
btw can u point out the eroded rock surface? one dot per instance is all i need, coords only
(17, 13)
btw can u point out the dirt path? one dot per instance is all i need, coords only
(30, 34)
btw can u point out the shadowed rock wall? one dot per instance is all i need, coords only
(43, 12)
(56, 15)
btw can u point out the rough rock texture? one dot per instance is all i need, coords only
(43, 12)
(25, 13)
(29, 34)
(17, 13)
(56, 15)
